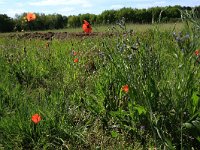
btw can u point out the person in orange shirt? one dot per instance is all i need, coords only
(87, 28)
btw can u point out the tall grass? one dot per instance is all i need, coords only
(82, 104)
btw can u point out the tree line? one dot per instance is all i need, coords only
(131, 15)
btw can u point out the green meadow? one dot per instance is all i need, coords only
(77, 87)
(129, 26)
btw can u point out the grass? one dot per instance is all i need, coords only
(107, 28)
(83, 105)
(134, 27)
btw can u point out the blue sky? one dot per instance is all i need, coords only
(75, 7)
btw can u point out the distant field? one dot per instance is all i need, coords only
(134, 27)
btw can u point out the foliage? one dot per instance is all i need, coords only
(6, 23)
(134, 90)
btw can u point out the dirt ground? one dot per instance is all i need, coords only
(56, 35)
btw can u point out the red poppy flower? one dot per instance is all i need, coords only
(30, 16)
(125, 88)
(75, 60)
(36, 118)
(86, 27)
(197, 52)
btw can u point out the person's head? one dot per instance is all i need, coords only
(86, 22)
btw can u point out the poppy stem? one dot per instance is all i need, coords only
(35, 133)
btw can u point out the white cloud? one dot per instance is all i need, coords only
(149, 4)
(143, 1)
(160, 3)
(87, 5)
(116, 6)
(81, 3)
(13, 12)
(2, 2)
(19, 4)
(66, 11)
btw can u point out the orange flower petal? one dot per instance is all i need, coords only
(30, 16)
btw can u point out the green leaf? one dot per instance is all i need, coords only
(187, 125)
(195, 100)
(114, 134)
(169, 144)
(198, 138)
(140, 109)
(196, 123)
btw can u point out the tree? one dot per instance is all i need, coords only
(155, 11)
(91, 18)
(6, 23)
(74, 21)
(108, 17)
(130, 15)
(127, 13)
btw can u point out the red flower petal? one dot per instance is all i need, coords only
(125, 88)
(36, 118)
(75, 60)
(197, 52)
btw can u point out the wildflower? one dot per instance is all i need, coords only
(75, 53)
(187, 36)
(197, 52)
(75, 60)
(86, 27)
(142, 127)
(30, 17)
(36, 118)
(125, 88)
